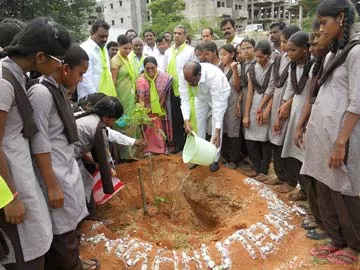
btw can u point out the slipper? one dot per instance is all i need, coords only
(231, 165)
(261, 177)
(307, 219)
(297, 196)
(274, 181)
(310, 225)
(317, 234)
(322, 252)
(92, 264)
(284, 188)
(343, 257)
(250, 173)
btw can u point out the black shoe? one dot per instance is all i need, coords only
(214, 167)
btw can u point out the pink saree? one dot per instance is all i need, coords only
(159, 134)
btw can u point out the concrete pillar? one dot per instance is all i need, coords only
(279, 10)
(300, 16)
(252, 13)
(272, 10)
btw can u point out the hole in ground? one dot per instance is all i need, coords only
(186, 208)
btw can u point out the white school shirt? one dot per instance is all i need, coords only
(91, 79)
(185, 56)
(214, 89)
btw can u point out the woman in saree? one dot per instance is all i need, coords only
(153, 89)
(123, 74)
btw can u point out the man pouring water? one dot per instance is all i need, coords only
(204, 87)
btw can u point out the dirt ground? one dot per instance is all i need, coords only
(188, 210)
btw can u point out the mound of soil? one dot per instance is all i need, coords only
(187, 210)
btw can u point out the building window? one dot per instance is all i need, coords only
(121, 20)
(112, 22)
(120, 2)
(111, 6)
(239, 7)
(235, 7)
(218, 4)
(222, 4)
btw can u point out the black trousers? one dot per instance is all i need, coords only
(231, 149)
(293, 167)
(311, 193)
(260, 155)
(279, 164)
(12, 233)
(64, 252)
(177, 123)
(340, 216)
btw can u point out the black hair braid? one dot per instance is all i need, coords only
(308, 64)
(293, 65)
(334, 46)
(317, 66)
(348, 21)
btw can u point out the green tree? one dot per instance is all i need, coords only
(166, 14)
(309, 9)
(71, 14)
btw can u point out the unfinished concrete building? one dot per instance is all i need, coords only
(268, 11)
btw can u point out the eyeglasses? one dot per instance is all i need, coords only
(61, 61)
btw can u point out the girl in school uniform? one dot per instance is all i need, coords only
(53, 153)
(332, 135)
(95, 126)
(295, 96)
(276, 93)
(256, 132)
(231, 146)
(25, 222)
(312, 221)
(211, 53)
(245, 56)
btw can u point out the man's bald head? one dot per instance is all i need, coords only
(138, 46)
(192, 72)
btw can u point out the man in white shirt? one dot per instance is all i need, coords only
(150, 48)
(162, 45)
(93, 46)
(210, 89)
(227, 26)
(137, 55)
(175, 58)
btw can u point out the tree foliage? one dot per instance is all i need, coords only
(73, 14)
(166, 14)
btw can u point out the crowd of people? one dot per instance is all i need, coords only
(67, 111)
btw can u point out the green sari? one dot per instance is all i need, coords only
(125, 91)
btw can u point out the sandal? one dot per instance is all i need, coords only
(322, 252)
(274, 181)
(261, 177)
(343, 257)
(92, 264)
(311, 225)
(316, 234)
(284, 188)
(250, 173)
(297, 196)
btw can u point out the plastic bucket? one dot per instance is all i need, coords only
(198, 151)
(6, 195)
